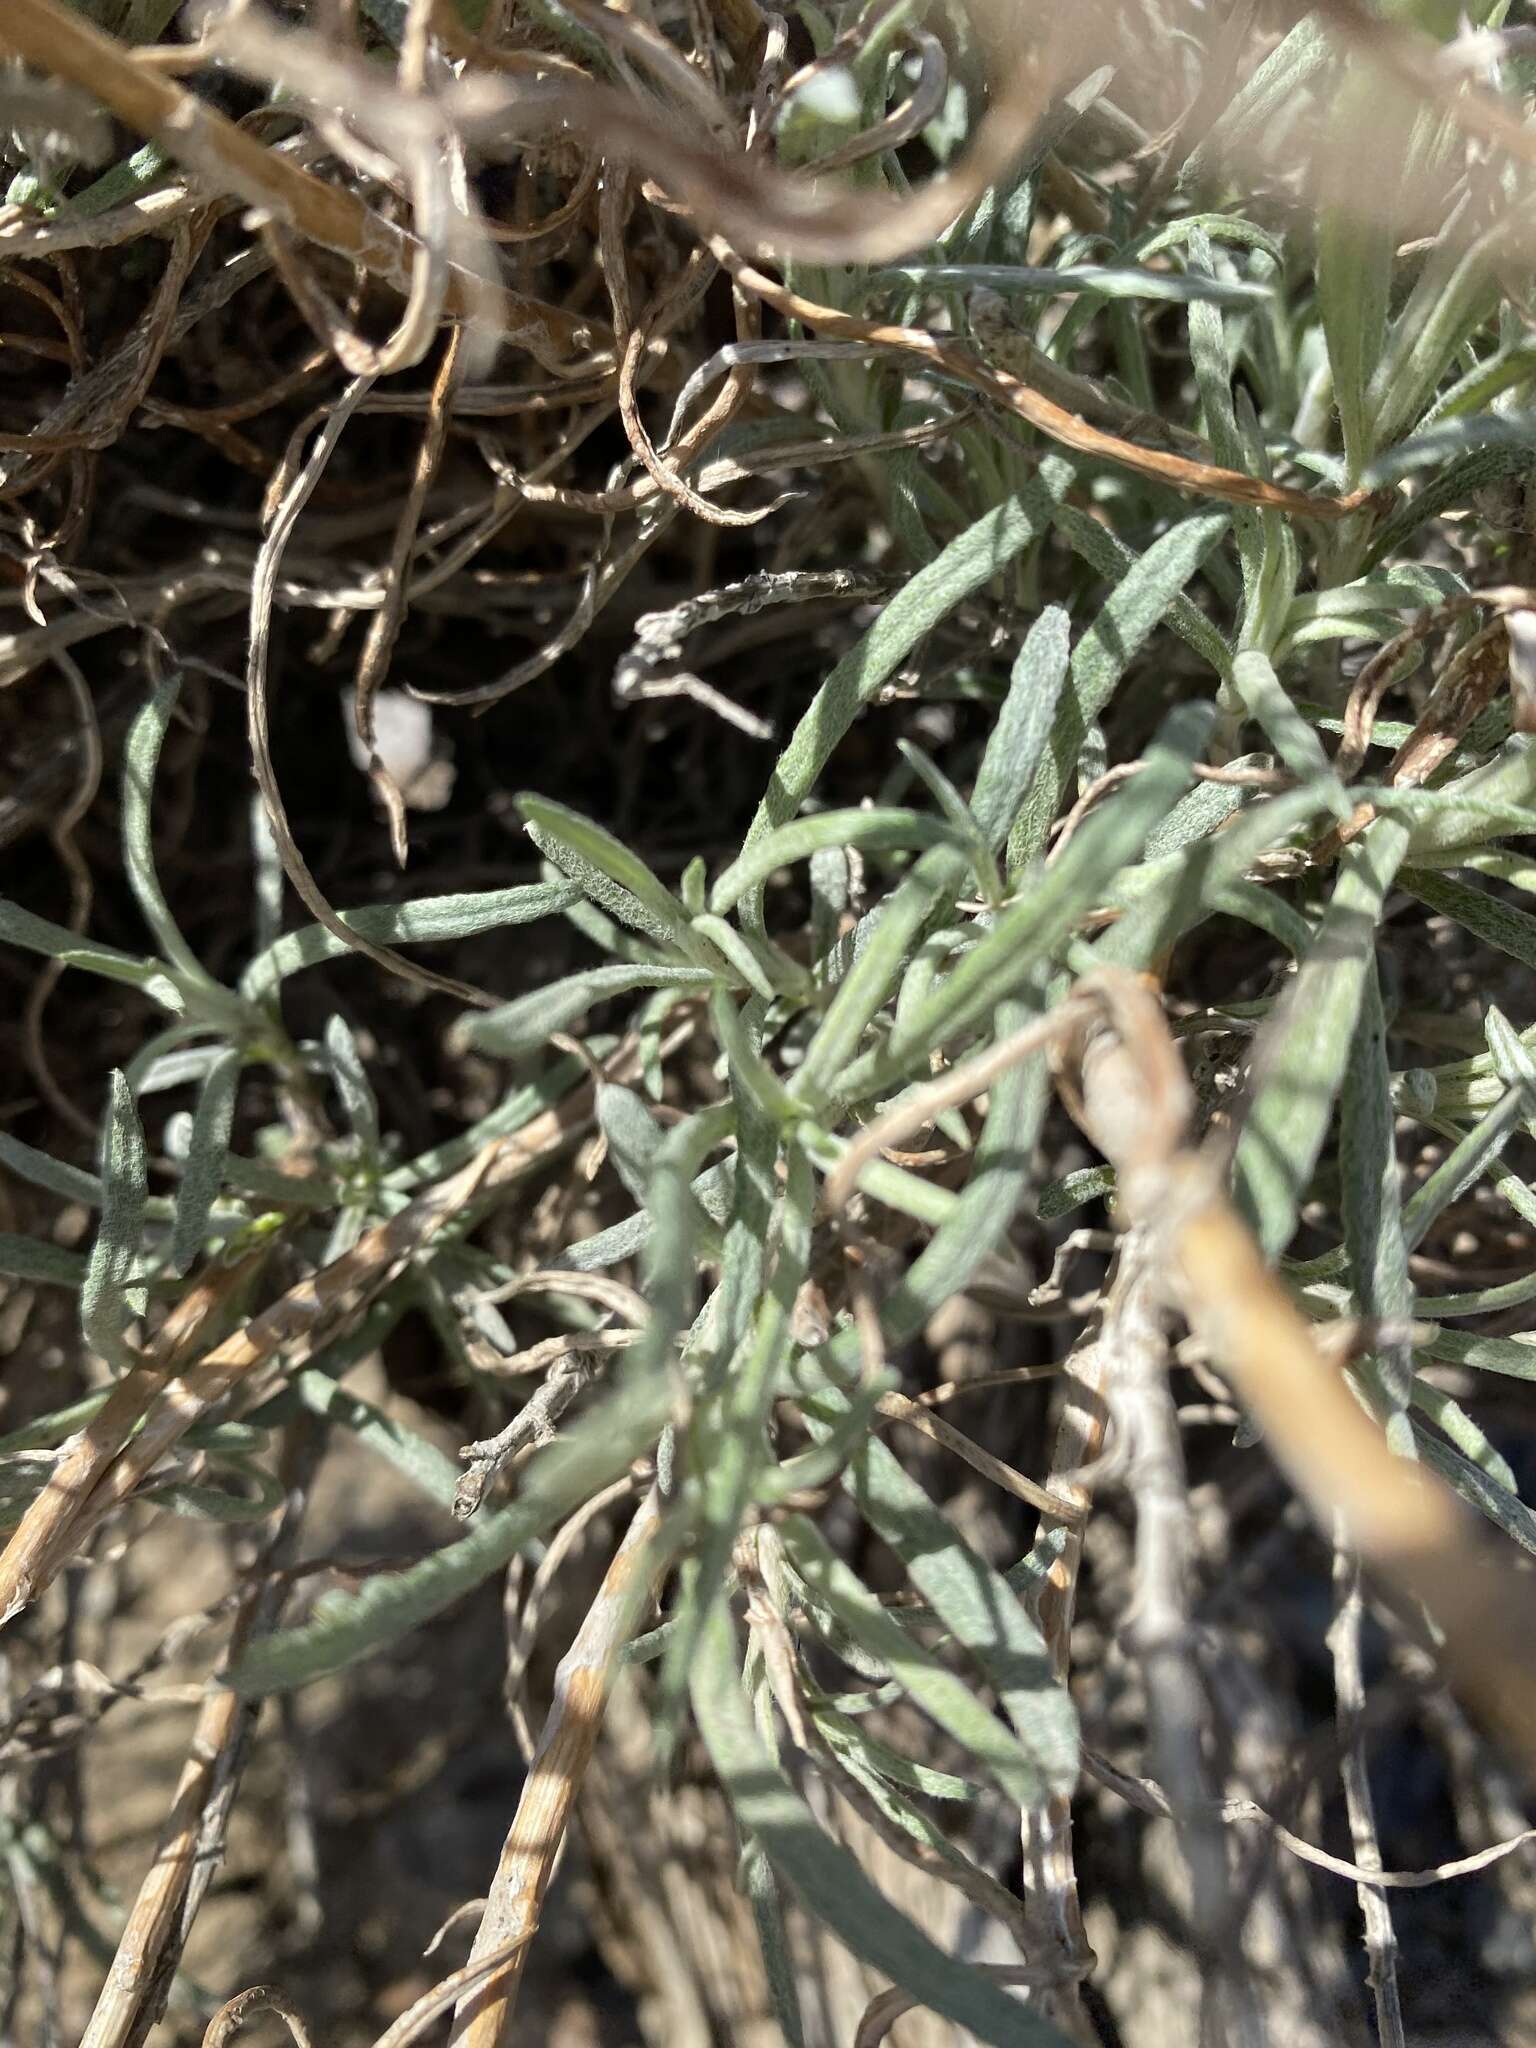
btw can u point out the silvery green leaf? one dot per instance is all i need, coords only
(34, 1259)
(972, 559)
(1265, 700)
(345, 1065)
(207, 1150)
(429, 920)
(1301, 1058)
(532, 1020)
(1023, 726)
(592, 856)
(19, 927)
(1130, 615)
(107, 1303)
(141, 758)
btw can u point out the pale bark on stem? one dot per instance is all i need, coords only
(1349, 1690)
(1407, 1525)
(1159, 1631)
(532, 1848)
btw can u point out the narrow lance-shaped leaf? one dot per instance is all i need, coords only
(421, 1462)
(670, 1279)
(1285, 73)
(585, 851)
(1449, 484)
(1372, 1215)
(44, 1171)
(1110, 558)
(970, 560)
(1130, 615)
(751, 960)
(1355, 240)
(204, 1172)
(1458, 1425)
(1023, 726)
(141, 757)
(20, 927)
(429, 920)
(951, 803)
(106, 1304)
(829, 1882)
(1203, 811)
(1489, 918)
(893, 930)
(35, 1259)
(1268, 705)
(347, 1071)
(1300, 1061)
(633, 1135)
(525, 1025)
(762, 1890)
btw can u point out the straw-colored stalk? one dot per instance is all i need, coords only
(1126, 1086)
(532, 1848)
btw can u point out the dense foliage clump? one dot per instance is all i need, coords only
(905, 634)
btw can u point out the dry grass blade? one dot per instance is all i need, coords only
(45, 1530)
(190, 1844)
(534, 1841)
(313, 1313)
(55, 40)
(1472, 679)
(431, 2003)
(1149, 1797)
(915, 1413)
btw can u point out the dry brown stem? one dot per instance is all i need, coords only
(533, 1843)
(1203, 478)
(93, 1479)
(1472, 680)
(51, 37)
(1128, 1090)
(191, 1841)
(43, 1534)
(234, 2012)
